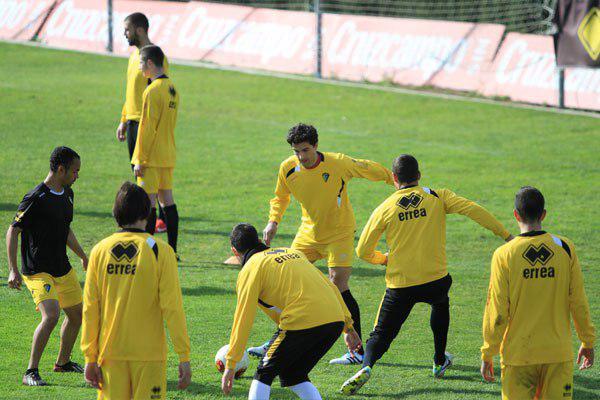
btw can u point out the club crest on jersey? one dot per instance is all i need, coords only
(122, 251)
(156, 392)
(411, 201)
(47, 287)
(538, 254)
(325, 176)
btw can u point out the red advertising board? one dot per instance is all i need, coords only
(20, 19)
(412, 52)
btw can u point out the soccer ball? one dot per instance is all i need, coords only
(240, 367)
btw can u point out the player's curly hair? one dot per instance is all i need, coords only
(64, 156)
(132, 204)
(302, 133)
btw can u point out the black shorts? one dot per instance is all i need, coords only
(293, 354)
(131, 130)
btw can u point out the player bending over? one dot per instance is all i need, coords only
(131, 289)
(154, 154)
(44, 221)
(136, 33)
(535, 283)
(414, 222)
(319, 181)
(307, 307)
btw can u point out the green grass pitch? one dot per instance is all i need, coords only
(231, 139)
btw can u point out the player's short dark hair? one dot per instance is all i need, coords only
(244, 237)
(132, 204)
(138, 20)
(529, 203)
(64, 156)
(406, 168)
(302, 133)
(154, 53)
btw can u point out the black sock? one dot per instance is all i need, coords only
(440, 322)
(151, 224)
(161, 213)
(172, 221)
(354, 311)
(31, 370)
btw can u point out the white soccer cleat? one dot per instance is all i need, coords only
(348, 359)
(352, 385)
(439, 370)
(258, 351)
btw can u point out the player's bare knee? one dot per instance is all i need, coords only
(74, 315)
(50, 317)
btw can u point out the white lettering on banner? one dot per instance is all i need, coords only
(204, 32)
(351, 46)
(582, 81)
(15, 13)
(520, 65)
(267, 40)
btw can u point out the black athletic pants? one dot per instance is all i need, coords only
(293, 354)
(396, 307)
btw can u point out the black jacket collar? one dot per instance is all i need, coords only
(131, 230)
(533, 233)
(251, 252)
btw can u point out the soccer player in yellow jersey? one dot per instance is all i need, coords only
(319, 181)
(307, 307)
(131, 289)
(535, 283)
(154, 153)
(414, 222)
(136, 33)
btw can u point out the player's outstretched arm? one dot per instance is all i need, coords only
(368, 169)
(454, 204)
(12, 243)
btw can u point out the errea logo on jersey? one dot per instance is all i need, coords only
(411, 201)
(538, 255)
(408, 202)
(124, 250)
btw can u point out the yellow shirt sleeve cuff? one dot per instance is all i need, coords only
(588, 345)
(230, 364)
(185, 357)
(91, 359)
(378, 258)
(123, 119)
(486, 357)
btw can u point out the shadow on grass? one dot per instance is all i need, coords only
(8, 207)
(196, 387)
(432, 391)
(205, 291)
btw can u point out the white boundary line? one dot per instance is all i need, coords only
(358, 85)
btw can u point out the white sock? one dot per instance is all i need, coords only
(306, 391)
(259, 391)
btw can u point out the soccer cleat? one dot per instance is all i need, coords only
(439, 370)
(352, 385)
(68, 367)
(258, 351)
(160, 226)
(33, 378)
(348, 359)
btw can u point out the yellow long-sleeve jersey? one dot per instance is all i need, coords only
(535, 283)
(282, 281)
(323, 194)
(155, 144)
(136, 84)
(414, 221)
(131, 288)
